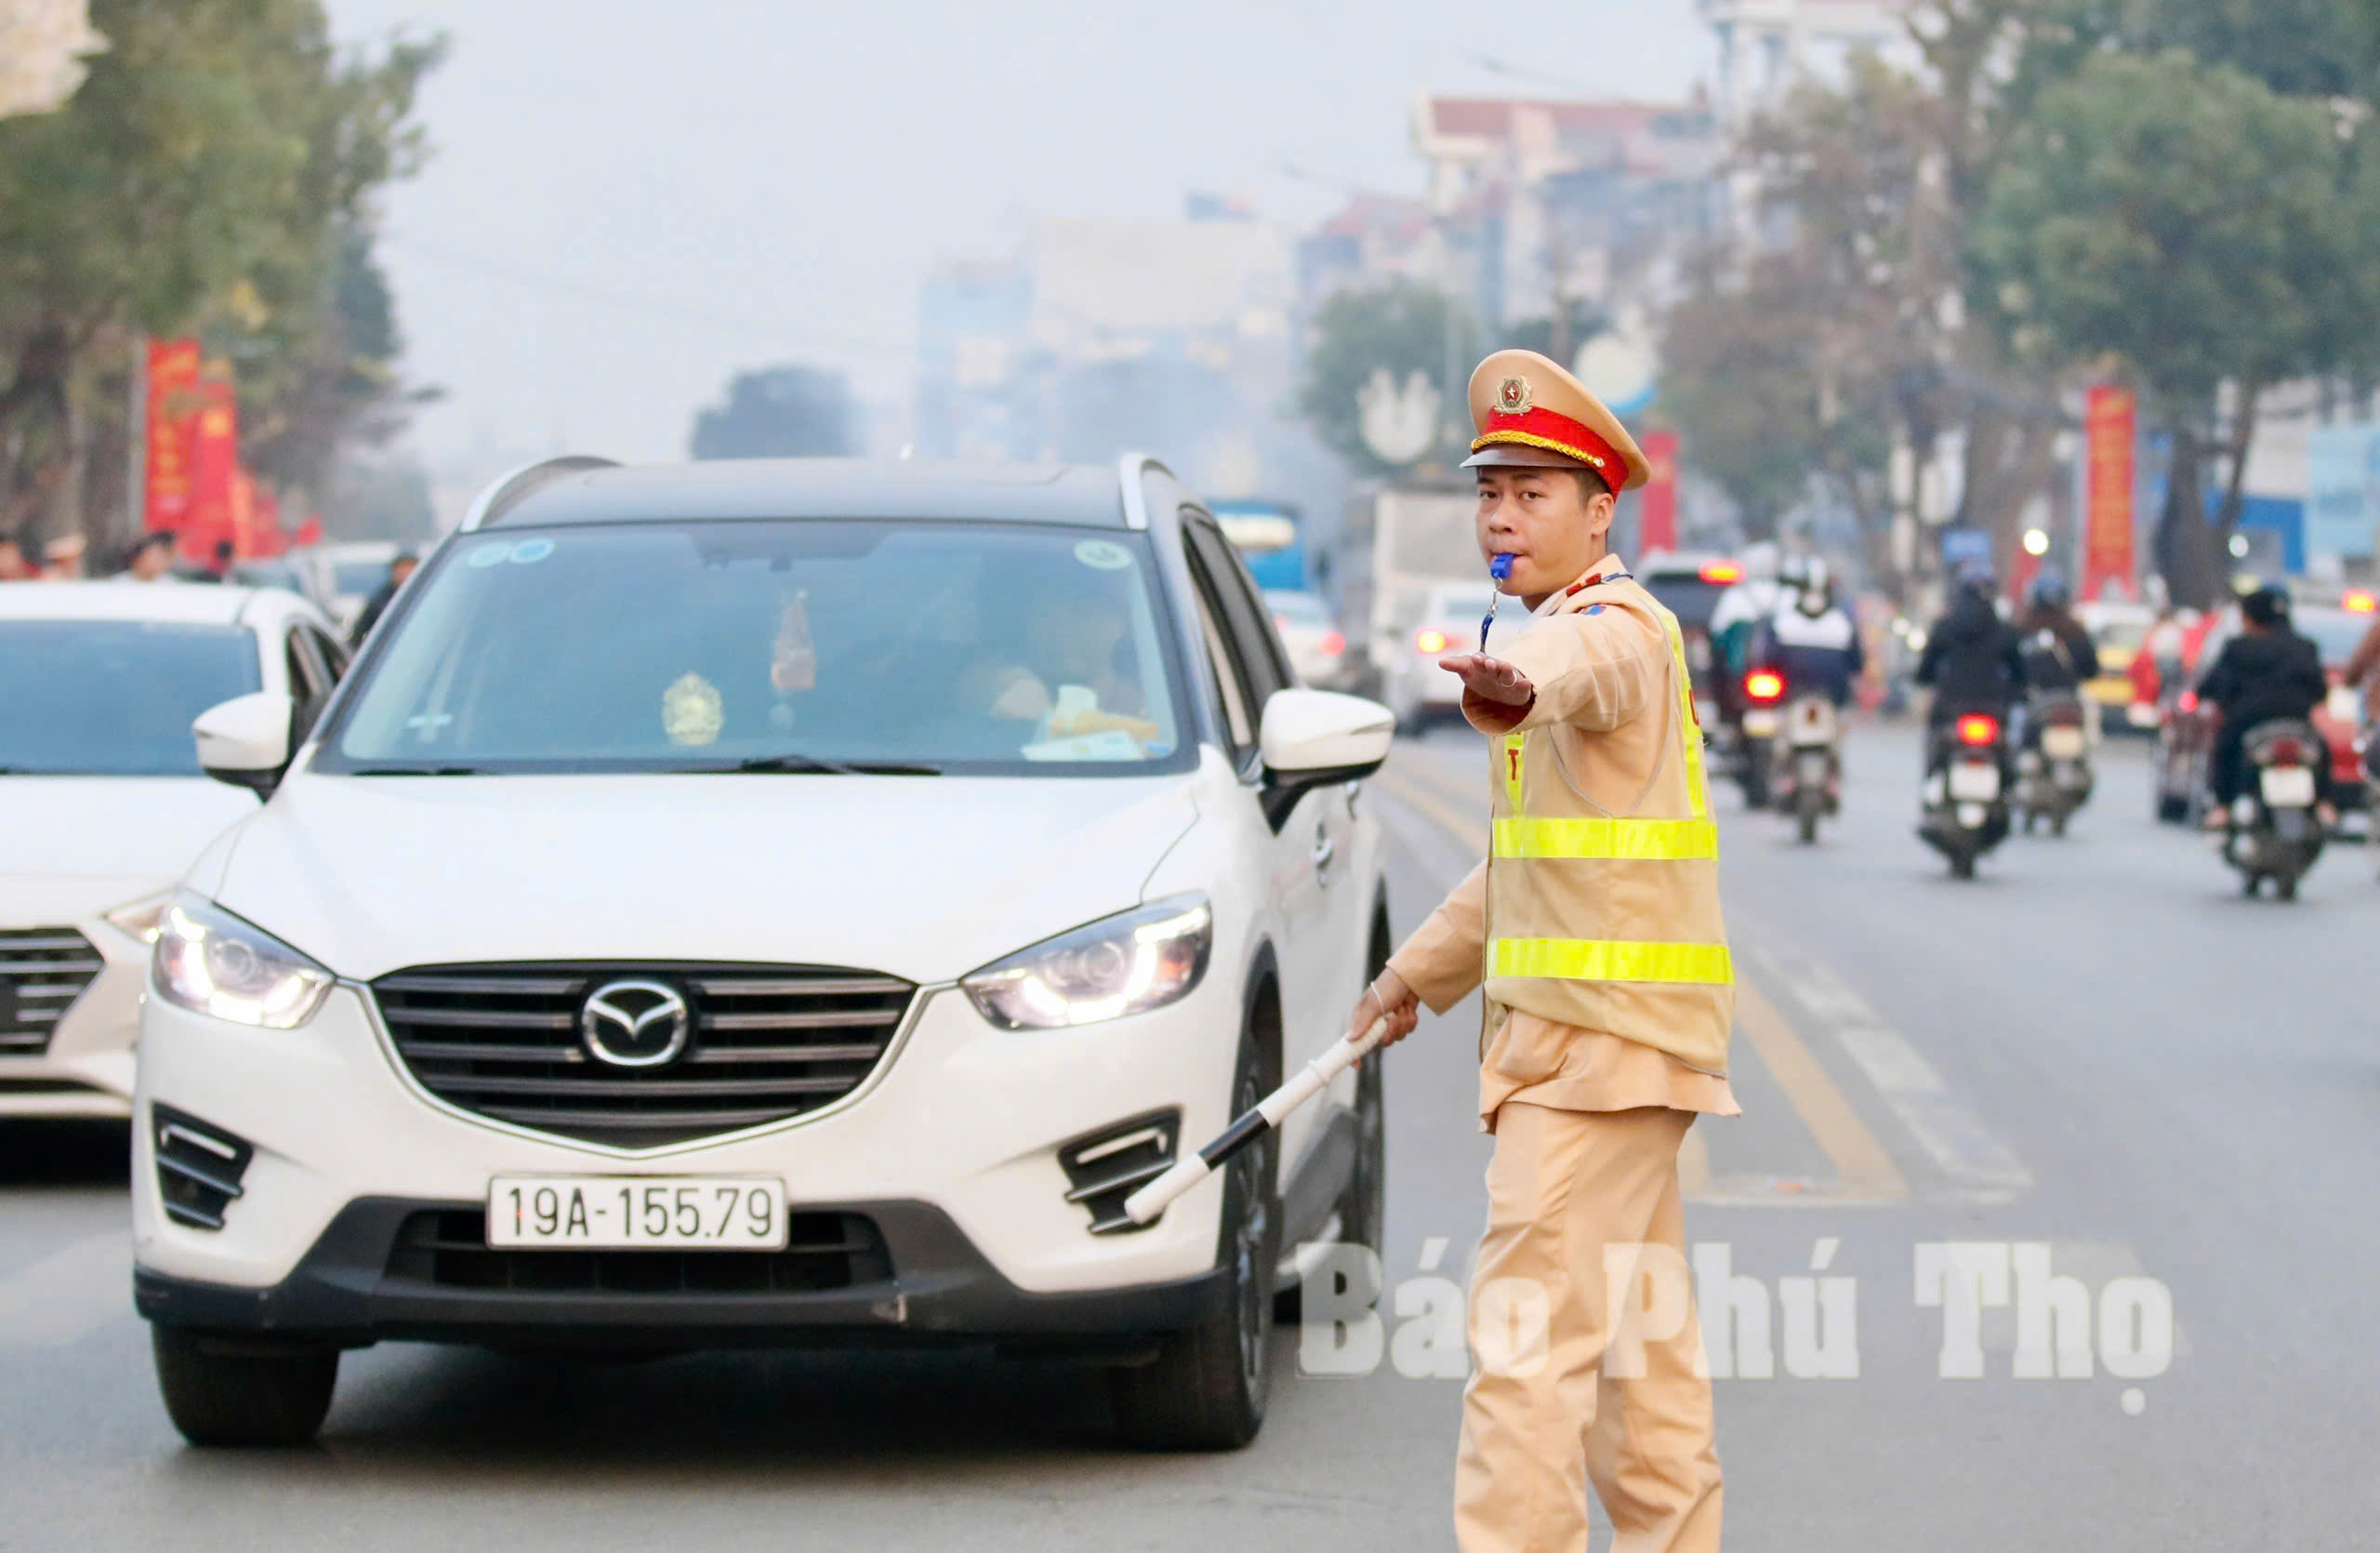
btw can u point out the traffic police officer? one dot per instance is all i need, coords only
(1595, 927)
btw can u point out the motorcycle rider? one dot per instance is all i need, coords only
(2267, 672)
(2059, 653)
(1973, 661)
(1742, 609)
(1810, 639)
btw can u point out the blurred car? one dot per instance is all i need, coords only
(1416, 689)
(2185, 738)
(1317, 648)
(286, 574)
(106, 803)
(2118, 629)
(347, 574)
(664, 945)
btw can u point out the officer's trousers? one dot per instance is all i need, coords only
(1574, 1197)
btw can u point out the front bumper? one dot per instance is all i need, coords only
(362, 1282)
(962, 1118)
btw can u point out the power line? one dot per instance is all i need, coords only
(643, 306)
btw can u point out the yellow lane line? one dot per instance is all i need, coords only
(1861, 1163)
(1468, 833)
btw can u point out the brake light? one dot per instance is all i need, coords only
(1722, 571)
(2360, 601)
(2285, 751)
(1432, 640)
(2188, 702)
(1764, 684)
(1333, 644)
(1977, 729)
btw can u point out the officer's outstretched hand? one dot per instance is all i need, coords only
(1388, 995)
(1490, 678)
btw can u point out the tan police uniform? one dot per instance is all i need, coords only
(1596, 930)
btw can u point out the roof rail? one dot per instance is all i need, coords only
(510, 488)
(1129, 470)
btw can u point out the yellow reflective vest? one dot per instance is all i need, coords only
(1603, 884)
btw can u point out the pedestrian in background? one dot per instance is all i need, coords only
(152, 559)
(1595, 924)
(14, 567)
(386, 594)
(61, 559)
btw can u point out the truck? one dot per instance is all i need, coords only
(1403, 541)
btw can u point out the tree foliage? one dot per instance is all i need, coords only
(779, 412)
(1402, 328)
(213, 175)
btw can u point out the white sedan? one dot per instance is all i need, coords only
(102, 804)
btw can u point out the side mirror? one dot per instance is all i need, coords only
(1313, 739)
(246, 742)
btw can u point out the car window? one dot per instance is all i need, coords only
(310, 681)
(1229, 681)
(976, 648)
(1246, 621)
(114, 698)
(359, 577)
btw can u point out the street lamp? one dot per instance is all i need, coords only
(2036, 542)
(2239, 546)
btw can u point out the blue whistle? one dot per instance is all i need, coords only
(1501, 569)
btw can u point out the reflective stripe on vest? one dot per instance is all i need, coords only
(1695, 838)
(1612, 959)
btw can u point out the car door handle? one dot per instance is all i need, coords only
(1324, 849)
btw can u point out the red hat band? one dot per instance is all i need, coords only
(1539, 427)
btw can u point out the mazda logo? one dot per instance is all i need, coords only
(635, 1024)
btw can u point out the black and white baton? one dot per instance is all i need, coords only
(1154, 1199)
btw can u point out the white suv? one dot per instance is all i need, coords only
(102, 804)
(768, 901)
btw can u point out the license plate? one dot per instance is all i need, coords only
(2288, 787)
(2062, 744)
(1975, 782)
(1761, 725)
(633, 1213)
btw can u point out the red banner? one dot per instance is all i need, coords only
(173, 403)
(1657, 528)
(2110, 425)
(214, 473)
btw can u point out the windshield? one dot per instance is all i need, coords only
(2334, 633)
(1687, 596)
(701, 647)
(359, 577)
(113, 697)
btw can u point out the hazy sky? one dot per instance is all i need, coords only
(768, 181)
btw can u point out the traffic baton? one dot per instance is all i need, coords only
(1144, 1205)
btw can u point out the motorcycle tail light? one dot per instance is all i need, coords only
(1977, 729)
(1333, 644)
(2285, 751)
(1764, 684)
(2360, 601)
(2189, 700)
(1722, 571)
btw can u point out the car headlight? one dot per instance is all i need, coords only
(211, 962)
(138, 919)
(1130, 964)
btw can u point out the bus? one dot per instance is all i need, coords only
(1271, 540)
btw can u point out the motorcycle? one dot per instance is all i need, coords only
(1763, 693)
(1966, 801)
(2272, 831)
(2053, 770)
(1808, 778)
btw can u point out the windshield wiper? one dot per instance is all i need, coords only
(810, 763)
(417, 771)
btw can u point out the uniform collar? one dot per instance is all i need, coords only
(1611, 566)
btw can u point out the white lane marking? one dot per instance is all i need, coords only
(68, 1295)
(1966, 1150)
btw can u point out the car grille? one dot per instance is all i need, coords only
(42, 970)
(767, 1043)
(448, 1247)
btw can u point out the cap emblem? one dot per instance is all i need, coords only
(1513, 396)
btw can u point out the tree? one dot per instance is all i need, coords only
(779, 412)
(1402, 328)
(2193, 227)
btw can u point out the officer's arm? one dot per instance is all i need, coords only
(1441, 962)
(1591, 670)
(2365, 657)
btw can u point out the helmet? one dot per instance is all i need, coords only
(2049, 592)
(1759, 560)
(2265, 606)
(1818, 588)
(1976, 574)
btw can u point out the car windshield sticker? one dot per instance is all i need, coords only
(692, 712)
(1103, 555)
(528, 552)
(1115, 745)
(495, 555)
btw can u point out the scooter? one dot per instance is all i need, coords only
(1966, 804)
(1763, 695)
(1808, 780)
(2272, 831)
(2054, 769)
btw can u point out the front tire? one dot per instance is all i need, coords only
(1206, 1389)
(226, 1393)
(1962, 864)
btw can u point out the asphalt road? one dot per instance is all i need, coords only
(2095, 1054)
